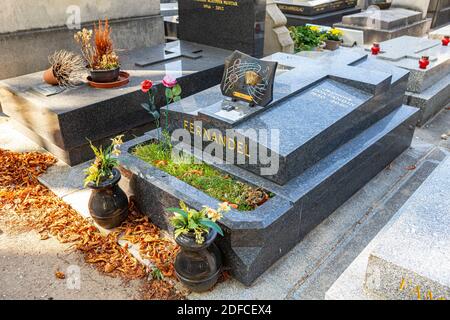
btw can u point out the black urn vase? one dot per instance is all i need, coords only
(198, 266)
(108, 204)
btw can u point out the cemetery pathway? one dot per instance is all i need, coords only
(35, 269)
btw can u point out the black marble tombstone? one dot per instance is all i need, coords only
(227, 24)
(323, 12)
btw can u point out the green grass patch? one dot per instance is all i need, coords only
(204, 177)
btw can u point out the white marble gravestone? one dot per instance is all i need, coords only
(403, 18)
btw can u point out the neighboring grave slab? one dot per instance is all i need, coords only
(440, 33)
(351, 283)
(414, 252)
(314, 7)
(339, 123)
(62, 122)
(232, 25)
(30, 33)
(323, 12)
(380, 25)
(428, 89)
(439, 11)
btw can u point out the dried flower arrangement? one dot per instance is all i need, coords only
(97, 47)
(67, 69)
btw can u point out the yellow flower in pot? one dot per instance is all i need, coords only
(332, 38)
(108, 204)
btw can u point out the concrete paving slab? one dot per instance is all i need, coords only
(28, 273)
(11, 139)
(434, 131)
(64, 180)
(316, 286)
(350, 285)
(415, 248)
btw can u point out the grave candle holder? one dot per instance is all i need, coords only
(424, 62)
(445, 40)
(375, 48)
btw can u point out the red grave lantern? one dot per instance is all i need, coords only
(375, 48)
(445, 40)
(424, 62)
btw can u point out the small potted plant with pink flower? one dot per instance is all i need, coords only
(199, 263)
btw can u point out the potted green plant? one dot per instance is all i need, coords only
(306, 38)
(332, 38)
(199, 263)
(66, 69)
(108, 204)
(98, 51)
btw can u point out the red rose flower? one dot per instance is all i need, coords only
(146, 85)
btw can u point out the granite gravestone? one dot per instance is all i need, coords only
(323, 12)
(428, 89)
(403, 18)
(61, 121)
(228, 24)
(336, 122)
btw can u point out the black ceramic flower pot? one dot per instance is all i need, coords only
(105, 76)
(198, 266)
(108, 204)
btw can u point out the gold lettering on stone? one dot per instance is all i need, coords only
(217, 137)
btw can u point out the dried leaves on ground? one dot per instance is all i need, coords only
(27, 205)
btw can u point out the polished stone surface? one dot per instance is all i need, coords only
(324, 19)
(383, 19)
(61, 123)
(428, 89)
(232, 25)
(381, 25)
(350, 99)
(313, 7)
(430, 101)
(405, 52)
(438, 34)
